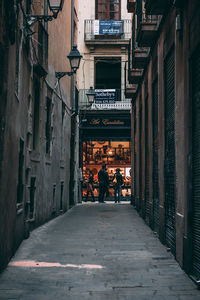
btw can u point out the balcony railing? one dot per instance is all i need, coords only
(112, 30)
(131, 89)
(147, 29)
(150, 18)
(140, 56)
(105, 100)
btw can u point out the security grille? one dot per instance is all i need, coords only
(196, 163)
(155, 156)
(140, 157)
(146, 161)
(134, 153)
(170, 153)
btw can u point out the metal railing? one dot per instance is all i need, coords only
(90, 35)
(150, 18)
(120, 102)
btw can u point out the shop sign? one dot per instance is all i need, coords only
(107, 122)
(108, 27)
(105, 96)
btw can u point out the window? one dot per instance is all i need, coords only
(48, 124)
(20, 186)
(108, 73)
(108, 9)
(32, 197)
(42, 46)
(36, 113)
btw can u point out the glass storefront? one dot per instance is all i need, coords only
(115, 154)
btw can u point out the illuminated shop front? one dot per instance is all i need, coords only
(105, 140)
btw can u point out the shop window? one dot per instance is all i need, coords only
(115, 154)
(108, 9)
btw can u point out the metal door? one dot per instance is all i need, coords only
(170, 152)
(134, 155)
(155, 156)
(146, 161)
(140, 157)
(196, 164)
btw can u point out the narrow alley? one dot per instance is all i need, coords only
(95, 251)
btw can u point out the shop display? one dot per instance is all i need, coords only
(114, 155)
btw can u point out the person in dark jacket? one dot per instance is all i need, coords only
(103, 183)
(118, 185)
(90, 186)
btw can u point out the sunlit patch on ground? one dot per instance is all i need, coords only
(36, 264)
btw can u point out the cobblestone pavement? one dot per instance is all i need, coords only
(95, 251)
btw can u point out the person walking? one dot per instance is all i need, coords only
(103, 183)
(117, 181)
(90, 186)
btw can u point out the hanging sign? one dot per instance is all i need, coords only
(105, 96)
(109, 27)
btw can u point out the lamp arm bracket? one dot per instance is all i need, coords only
(46, 18)
(59, 75)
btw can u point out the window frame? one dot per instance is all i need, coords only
(108, 10)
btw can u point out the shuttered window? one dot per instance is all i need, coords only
(196, 163)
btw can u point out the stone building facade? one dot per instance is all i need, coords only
(165, 68)
(35, 118)
(103, 39)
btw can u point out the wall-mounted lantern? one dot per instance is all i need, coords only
(91, 95)
(55, 6)
(74, 59)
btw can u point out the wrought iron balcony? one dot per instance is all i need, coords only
(108, 99)
(147, 30)
(107, 31)
(157, 7)
(131, 6)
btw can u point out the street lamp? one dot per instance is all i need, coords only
(91, 95)
(74, 59)
(55, 7)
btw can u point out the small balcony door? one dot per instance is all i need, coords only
(108, 9)
(108, 73)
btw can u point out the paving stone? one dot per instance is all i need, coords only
(135, 265)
